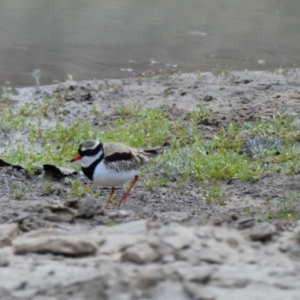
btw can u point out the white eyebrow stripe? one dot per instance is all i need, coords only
(83, 148)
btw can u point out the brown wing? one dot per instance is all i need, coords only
(117, 156)
(117, 151)
(120, 157)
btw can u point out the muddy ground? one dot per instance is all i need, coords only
(165, 243)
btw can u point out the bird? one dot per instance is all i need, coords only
(113, 164)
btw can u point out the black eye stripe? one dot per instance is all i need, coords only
(90, 152)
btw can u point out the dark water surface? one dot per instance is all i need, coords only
(121, 38)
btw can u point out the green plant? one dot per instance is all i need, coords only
(283, 209)
(214, 195)
(20, 193)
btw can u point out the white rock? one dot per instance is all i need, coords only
(178, 236)
(116, 242)
(141, 254)
(55, 242)
(199, 274)
(7, 233)
(198, 291)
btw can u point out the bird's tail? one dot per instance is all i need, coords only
(153, 152)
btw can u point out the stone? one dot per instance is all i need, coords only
(174, 216)
(7, 233)
(117, 242)
(60, 209)
(4, 260)
(177, 236)
(141, 254)
(211, 257)
(231, 236)
(198, 292)
(297, 235)
(89, 208)
(261, 232)
(246, 223)
(208, 98)
(234, 276)
(122, 213)
(55, 242)
(64, 245)
(190, 255)
(58, 217)
(5, 294)
(149, 276)
(199, 274)
(169, 290)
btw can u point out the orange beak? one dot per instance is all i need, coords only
(77, 157)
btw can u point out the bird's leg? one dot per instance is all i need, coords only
(124, 197)
(109, 197)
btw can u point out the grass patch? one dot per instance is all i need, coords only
(35, 141)
(37, 133)
(283, 209)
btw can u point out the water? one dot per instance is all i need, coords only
(121, 38)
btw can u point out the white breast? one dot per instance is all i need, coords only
(110, 178)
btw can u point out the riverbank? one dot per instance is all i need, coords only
(215, 217)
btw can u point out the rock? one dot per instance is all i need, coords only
(230, 236)
(122, 213)
(261, 232)
(208, 98)
(5, 294)
(199, 274)
(89, 208)
(177, 236)
(231, 276)
(229, 282)
(68, 245)
(169, 290)
(210, 256)
(55, 242)
(198, 292)
(297, 235)
(116, 242)
(4, 260)
(141, 254)
(7, 233)
(191, 255)
(294, 96)
(58, 217)
(60, 209)
(246, 223)
(174, 216)
(149, 276)
(245, 99)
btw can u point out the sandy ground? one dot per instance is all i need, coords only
(164, 243)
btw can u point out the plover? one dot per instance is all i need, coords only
(113, 164)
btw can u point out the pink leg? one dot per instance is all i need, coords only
(124, 197)
(109, 197)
